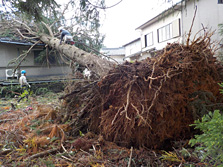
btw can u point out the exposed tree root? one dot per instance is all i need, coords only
(147, 103)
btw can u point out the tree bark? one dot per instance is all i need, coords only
(95, 63)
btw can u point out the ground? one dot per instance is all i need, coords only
(30, 135)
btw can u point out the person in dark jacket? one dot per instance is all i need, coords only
(66, 36)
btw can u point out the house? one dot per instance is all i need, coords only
(12, 48)
(133, 50)
(114, 54)
(209, 16)
(173, 24)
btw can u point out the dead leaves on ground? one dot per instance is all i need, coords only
(36, 139)
(28, 132)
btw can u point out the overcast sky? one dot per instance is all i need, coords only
(122, 20)
(119, 22)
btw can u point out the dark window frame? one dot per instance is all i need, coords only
(147, 44)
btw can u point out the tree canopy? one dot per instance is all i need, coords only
(34, 8)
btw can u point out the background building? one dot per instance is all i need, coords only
(173, 24)
(114, 54)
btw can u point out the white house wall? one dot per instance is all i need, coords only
(118, 58)
(209, 15)
(132, 48)
(172, 17)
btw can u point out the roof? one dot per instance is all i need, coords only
(113, 51)
(132, 55)
(162, 14)
(138, 39)
(17, 41)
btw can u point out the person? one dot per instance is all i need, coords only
(24, 85)
(66, 36)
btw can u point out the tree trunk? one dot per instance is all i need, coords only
(95, 63)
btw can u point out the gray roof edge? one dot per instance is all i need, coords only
(131, 42)
(112, 48)
(9, 40)
(20, 43)
(134, 54)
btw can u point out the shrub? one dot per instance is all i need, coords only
(41, 91)
(210, 142)
(9, 91)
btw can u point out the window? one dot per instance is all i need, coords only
(37, 60)
(165, 33)
(149, 39)
(176, 28)
(40, 58)
(220, 1)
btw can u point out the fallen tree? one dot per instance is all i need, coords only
(93, 62)
(148, 103)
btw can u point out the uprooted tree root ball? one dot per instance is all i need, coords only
(150, 102)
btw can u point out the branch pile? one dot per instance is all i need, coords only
(151, 102)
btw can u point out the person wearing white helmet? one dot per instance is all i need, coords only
(24, 84)
(66, 36)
